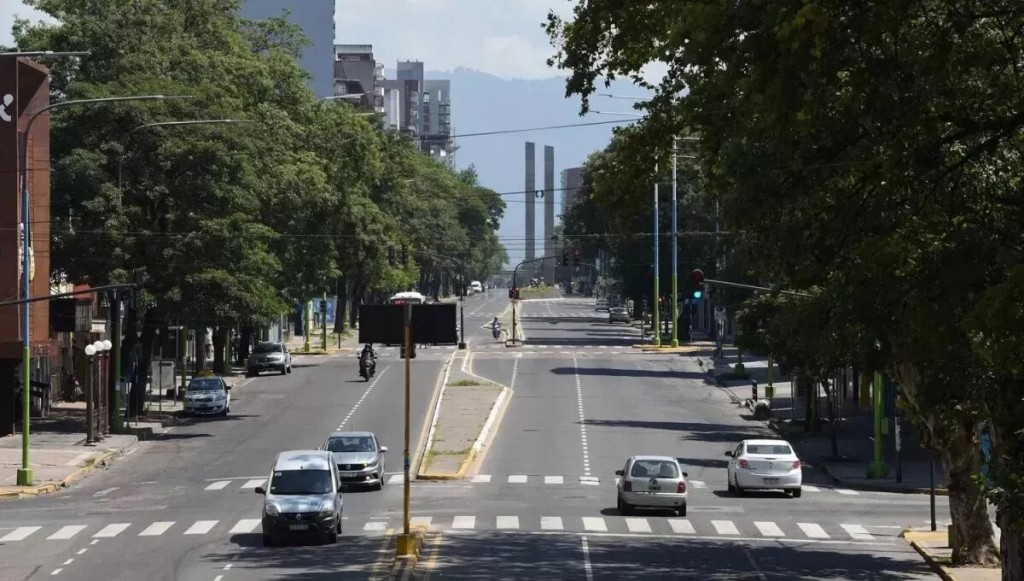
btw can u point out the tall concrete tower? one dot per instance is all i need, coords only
(530, 189)
(549, 213)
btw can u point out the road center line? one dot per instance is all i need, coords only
(363, 397)
(587, 568)
(583, 425)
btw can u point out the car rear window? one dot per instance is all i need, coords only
(654, 469)
(769, 449)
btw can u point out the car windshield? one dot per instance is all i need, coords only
(267, 348)
(208, 384)
(301, 482)
(654, 469)
(769, 449)
(352, 444)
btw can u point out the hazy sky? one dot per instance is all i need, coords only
(501, 37)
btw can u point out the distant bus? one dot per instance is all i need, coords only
(413, 298)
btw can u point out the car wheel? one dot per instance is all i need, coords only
(268, 541)
(681, 511)
(797, 492)
(289, 369)
(337, 528)
(379, 485)
(731, 487)
(623, 507)
(332, 537)
(284, 370)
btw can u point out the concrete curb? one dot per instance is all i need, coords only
(892, 488)
(405, 565)
(426, 434)
(938, 568)
(66, 482)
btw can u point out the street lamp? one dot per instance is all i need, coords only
(104, 393)
(24, 477)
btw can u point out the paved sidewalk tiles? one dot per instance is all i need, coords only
(17, 535)
(57, 460)
(934, 549)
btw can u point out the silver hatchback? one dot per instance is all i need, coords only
(656, 482)
(360, 458)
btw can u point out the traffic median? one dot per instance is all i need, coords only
(469, 410)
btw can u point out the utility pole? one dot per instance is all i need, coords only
(675, 247)
(657, 265)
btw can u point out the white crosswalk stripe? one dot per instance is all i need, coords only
(810, 488)
(725, 527)
(464, 522)
(769, 529)
(201, 527)
(590, 480)
(254, 483)
(517, 479)
(507, 522)
(553, 480)
(396, 479)
(156, 529)
(813, 530)
(66, 532)
(846, 491)
(371, 525)
(681, 526)
(638, 525)
(246, 525)
(698, 483)
(219, 485)
(19, 534)
(550, 523)
(112, 530)
(482, 478)
(858, 532)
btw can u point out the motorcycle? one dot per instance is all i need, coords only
(496, 331)
(367, 367)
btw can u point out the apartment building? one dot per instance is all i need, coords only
(316, 19)
(421, 109)
(356, 72)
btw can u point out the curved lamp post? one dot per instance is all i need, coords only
(24, 477)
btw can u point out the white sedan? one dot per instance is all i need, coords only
(651, 482)
(764, 465)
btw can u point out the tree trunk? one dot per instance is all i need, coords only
(221, 365)
(199, 349)
(1010, 546)
(830, 400)
(143, 359)
(341, 306)
(245, 342)
(971, 532)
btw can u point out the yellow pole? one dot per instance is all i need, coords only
(405, 480)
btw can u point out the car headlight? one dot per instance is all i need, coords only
(273, 510)
(219, 397)
(327, 507)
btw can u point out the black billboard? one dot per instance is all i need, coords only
(433, 324)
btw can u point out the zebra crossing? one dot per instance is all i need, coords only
(373, 525)
(237, 484)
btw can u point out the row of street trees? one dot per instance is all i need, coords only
(237, 222)
(869, 155)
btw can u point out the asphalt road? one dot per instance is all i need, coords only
(543, 502)
(541, 505)
(183, 506)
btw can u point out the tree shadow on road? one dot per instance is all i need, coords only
(615, 372)
(714, 433)
(306, 559)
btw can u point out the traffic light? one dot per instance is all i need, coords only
(405, 256)
(565, 258)
(697, 283)
(576, 257)
(513, 293)
(391, 255)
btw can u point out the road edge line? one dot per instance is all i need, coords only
(423, 445)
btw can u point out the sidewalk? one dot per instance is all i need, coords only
(856, 431)
(468, 411)
(934, 547)
(57, 459)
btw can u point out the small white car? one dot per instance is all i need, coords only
(207, 396)
(656, 482)
(764, 465)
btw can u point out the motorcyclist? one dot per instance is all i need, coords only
(367, 357)
(496, 327)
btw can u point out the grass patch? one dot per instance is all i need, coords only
(461, 452)
(464, 383)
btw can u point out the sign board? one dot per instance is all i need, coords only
(433, 324)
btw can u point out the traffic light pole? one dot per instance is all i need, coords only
(657, 266)
(515, 286)
(753, 287)
(675, 251)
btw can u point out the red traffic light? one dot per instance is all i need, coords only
(697, 276)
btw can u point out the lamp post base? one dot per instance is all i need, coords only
(877, 470)
(24, 477)
(675, 342)
(462, 345)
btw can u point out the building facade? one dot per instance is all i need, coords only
(421, 109)
(316, 19)
(572, 181)
(356, 72)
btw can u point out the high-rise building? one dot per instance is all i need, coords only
(356, 72)
(316, 19)
(421, 109)
(572, 181)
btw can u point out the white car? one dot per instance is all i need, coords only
(207, 396)
(651, 482)
(764, 465)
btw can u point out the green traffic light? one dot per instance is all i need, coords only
(697, 294)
